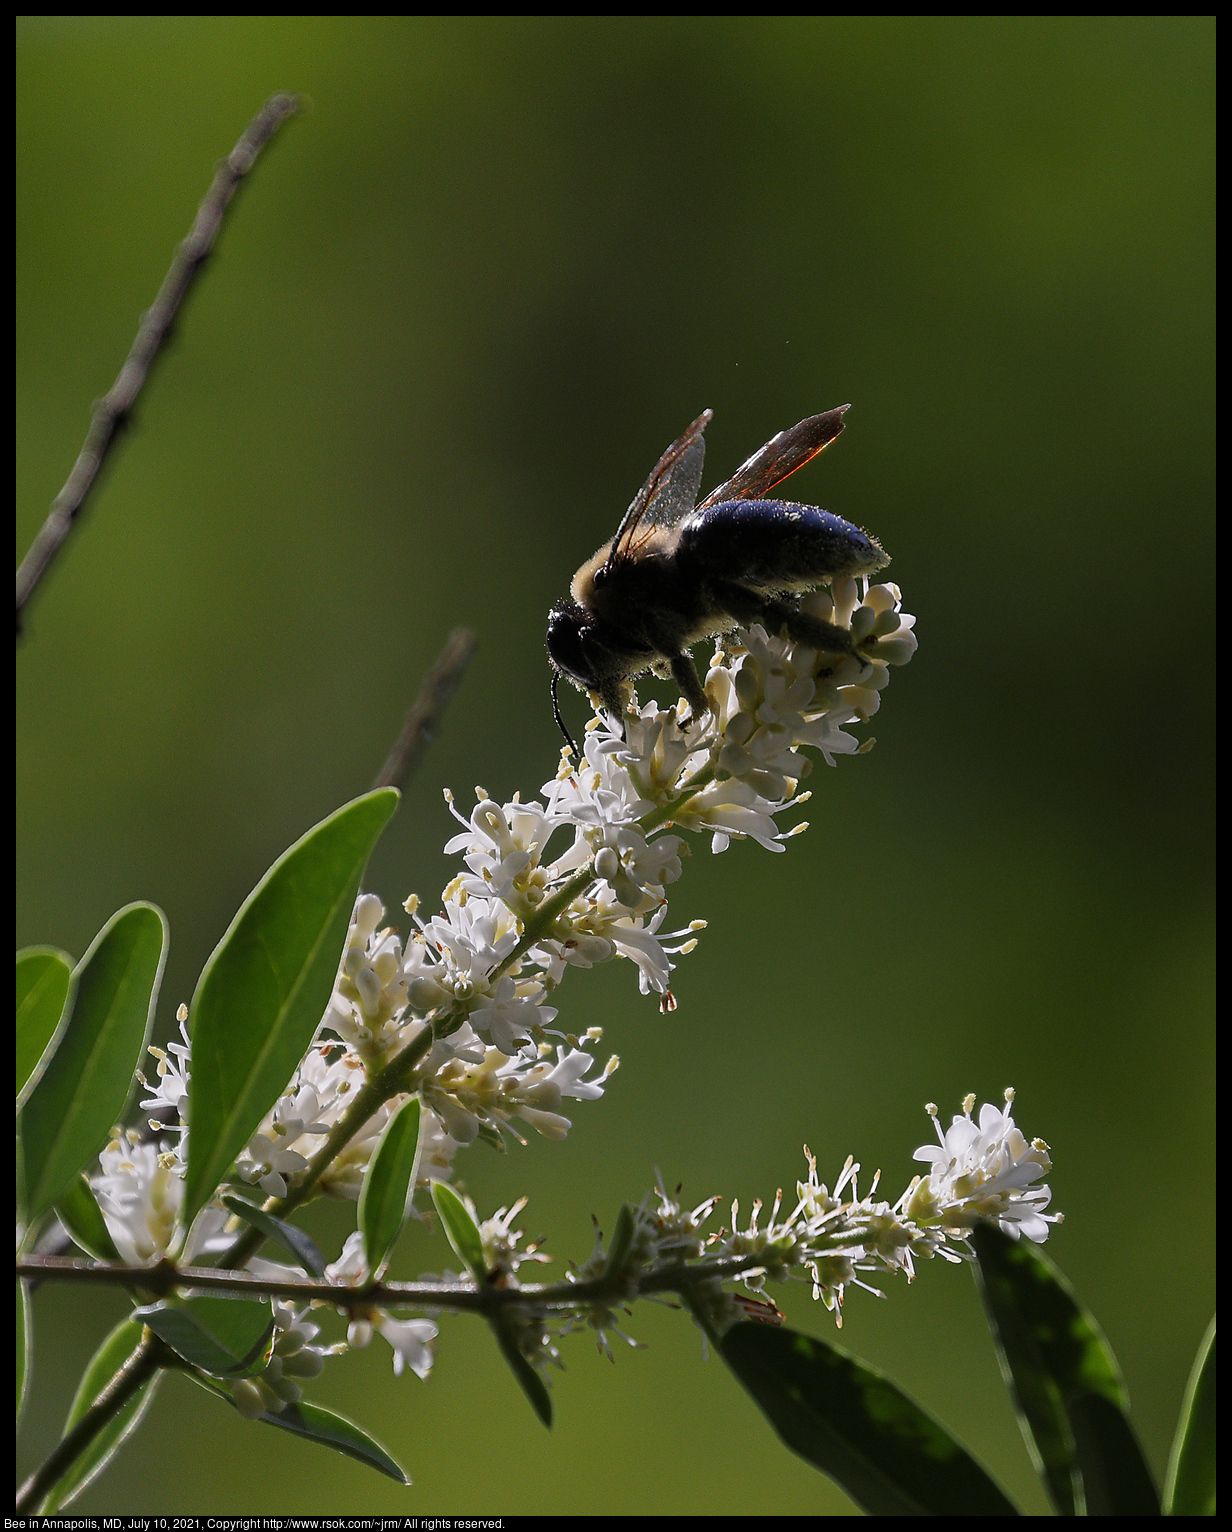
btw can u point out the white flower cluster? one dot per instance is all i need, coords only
(832, 1237)
(573, 879)
(293, 1358)
(568, 881)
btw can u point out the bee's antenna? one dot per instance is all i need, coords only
(560, 722)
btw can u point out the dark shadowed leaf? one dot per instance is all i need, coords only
(106, 1362)
(323, 1426)
(44, 976)
(529, 1381)
(300, 1246)
(1065, 1382)
(263, 992)
(1191, 1473)
(463, 1234)
(86, 1083)
(226, 1337)
(621, 1241)
(858, 1427)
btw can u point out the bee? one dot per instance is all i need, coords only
(678, 571)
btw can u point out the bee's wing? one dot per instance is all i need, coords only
(781, 456)
(668, 495)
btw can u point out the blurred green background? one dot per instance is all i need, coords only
(462, 306)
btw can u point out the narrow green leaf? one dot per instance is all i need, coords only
(226, 1337)
(83, 1218)
(106, 1362)
(25, 1339)
(1191, 1472)
(1055, 1362)
(388, 1183)
(263, 992)
(463, 1234)
(44, 979)
(858, 1427)
(295, 1242)
(323, 1426)
(1115, 1478)
(621, 1241)
(88, 1079)
(461, 1230)
(531, 1384)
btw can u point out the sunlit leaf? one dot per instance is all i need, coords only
(388, 1180)
(263, 992)
(461, 1230)
(86, 1083)
(106, 1362)
(44, 977)
(858, 1427)
(226, 1337)
(1191, 1472)
(1065, 1382)
(81, 1215)
(25, 1343)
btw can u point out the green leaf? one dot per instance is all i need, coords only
(263, 992)
(1191, 1472)
(83, 1218)
(44, 979)
(388, 1183)
(25, 1343)
(106, 1362)
(295, 1242)
(531, 1384)
(1065, 1382)
(621, 1242)
(461, 1230)
(226, 1337)
(463, 1234)
(323, 1426)
(1115, 1478)
(88, 1079)
(858, 1427)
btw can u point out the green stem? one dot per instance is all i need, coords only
(395, 1077)
(142, 1364)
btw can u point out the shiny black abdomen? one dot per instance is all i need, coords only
(772, 544)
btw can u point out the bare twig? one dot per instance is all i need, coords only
(114, 409)
(159, 1281)
(424, 718)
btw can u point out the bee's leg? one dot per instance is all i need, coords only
(748, 606)
(814, 631)
(684, 673)
(614, 696)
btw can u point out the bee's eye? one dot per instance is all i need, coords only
(600, 575)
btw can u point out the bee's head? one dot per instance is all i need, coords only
(569, 628)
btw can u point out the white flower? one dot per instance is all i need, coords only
(411, 1339)
(983, 1171)
(293, 1357)
(140, 1191)
(370, 994)
(170, 1088)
